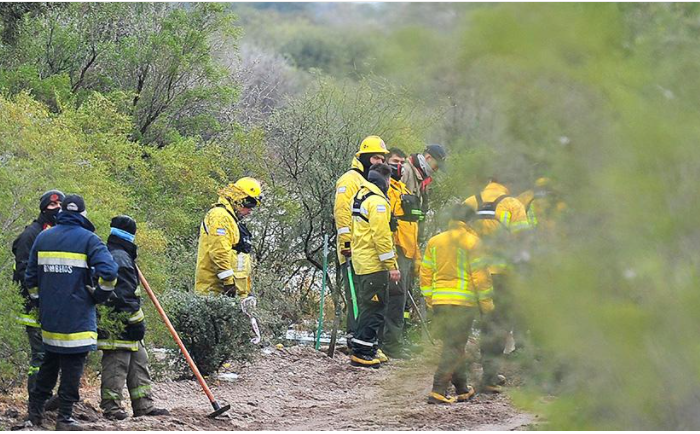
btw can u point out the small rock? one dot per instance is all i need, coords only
(11, 413)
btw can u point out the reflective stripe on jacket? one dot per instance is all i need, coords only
(406, 235)
(372, 241)
(218, 233)
(242, 273)
(453, 270)
(345, 190)
(60, 267)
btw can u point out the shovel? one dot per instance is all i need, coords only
(218, 409)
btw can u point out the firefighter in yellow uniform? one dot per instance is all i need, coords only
(222, 232)
(374, 263)
(372, 151)
(542, 205)
(500, 218)
(457, 285)
(406, 212)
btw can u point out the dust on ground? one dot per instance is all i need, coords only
(299, 388)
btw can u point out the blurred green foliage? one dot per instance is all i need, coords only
(601, 98)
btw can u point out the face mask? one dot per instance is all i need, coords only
(396, 170)
(51, 215)
(427, 169)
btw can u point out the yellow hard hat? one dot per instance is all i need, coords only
(249, 186)
(543, 182)
(372, 145)
(245, 192)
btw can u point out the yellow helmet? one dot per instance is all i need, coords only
(543, 182)
(245, 192)
(249, 186)
(372, 145)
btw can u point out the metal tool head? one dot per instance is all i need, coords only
(219, 411)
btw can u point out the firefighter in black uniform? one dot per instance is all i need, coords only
(124, 358)
(49, 205)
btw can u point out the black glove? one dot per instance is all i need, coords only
(135, 332)
(230, 290)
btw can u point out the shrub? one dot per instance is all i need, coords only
(214, 329)
(14, 348)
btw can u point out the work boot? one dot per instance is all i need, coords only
(465, 395)
(413, 348)
(500, 380)
(381, 356)
(65, 421)
(116, 415)
(152, 412)
(400, 354)
(439, 398)
(35, 413)
(491, 389)
(68, 424)
(364, 361)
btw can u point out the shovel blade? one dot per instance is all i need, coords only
(220, 411)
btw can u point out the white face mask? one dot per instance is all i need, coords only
(84, 213)
(427, 169)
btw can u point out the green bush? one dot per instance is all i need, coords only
(14, 347)
(214, 329)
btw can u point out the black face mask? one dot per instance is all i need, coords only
(396, 171)
(50, 215)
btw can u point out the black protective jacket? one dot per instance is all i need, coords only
(21, 248)
(125, 298)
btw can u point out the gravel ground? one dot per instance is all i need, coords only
(298, 388)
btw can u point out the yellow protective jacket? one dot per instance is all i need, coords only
(509, 215)
(218, 233)
(540, 210)
(454, 271)
(510, 212)
(242, 273)
(406, 235)
(372, 241)
(345, 190)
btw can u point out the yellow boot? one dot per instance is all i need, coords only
(436, 398)
(381, 356)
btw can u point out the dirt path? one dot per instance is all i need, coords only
(327, 394)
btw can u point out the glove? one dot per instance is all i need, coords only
(230, 290)
(135, 332)
(249, 303)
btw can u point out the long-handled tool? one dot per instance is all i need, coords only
(420, 317)
(353, 294)
(323, 293)
(218, 409)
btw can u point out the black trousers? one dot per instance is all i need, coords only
(495, 327)
(37, 355)
(372, 298)
(453, 323)
(351, 323)
(71, 369)
(391, 334)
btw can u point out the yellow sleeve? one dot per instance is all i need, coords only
(221, 237)
(427, 270)
(471, 202)
(379, 215)
(511, 213)
(342, 212)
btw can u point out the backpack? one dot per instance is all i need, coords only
(357, 204)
